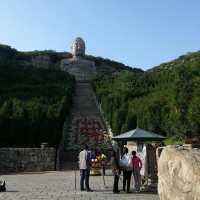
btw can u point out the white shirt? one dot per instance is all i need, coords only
(83, 159)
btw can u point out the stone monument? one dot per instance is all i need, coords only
(78, 65)
(87, 125)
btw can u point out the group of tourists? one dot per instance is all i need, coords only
(127, 164)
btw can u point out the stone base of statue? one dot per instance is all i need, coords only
(81, 69)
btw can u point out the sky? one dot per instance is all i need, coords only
(139, 33)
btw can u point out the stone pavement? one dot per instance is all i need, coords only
(61, 186)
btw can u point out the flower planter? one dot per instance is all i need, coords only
(96, 168)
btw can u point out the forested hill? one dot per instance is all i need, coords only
(34, 102)
(189, 59)
(35, 96)
(165, 99)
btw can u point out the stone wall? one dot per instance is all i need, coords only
(27, 159)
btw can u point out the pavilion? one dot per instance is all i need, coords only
(139, 135)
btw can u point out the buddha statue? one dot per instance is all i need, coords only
(78, 47)
(78, 66)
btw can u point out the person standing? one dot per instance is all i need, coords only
(84, 166)
(127, 170)
(137, 165)
(116, 171)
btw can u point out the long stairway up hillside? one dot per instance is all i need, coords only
(87, 126)
(84, 103)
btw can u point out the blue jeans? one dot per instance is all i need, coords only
(85, 174)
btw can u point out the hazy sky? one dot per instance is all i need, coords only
(140, 33)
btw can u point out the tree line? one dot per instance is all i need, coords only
(34, 103)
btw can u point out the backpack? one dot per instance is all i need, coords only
(2, 186)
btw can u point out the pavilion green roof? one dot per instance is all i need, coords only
(139, 135)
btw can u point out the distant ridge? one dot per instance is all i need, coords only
(51, 59)
(183, 59)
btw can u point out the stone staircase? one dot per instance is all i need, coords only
(87, 125)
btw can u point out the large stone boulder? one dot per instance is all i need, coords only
(179, 173)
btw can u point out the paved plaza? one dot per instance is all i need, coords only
(61, 186)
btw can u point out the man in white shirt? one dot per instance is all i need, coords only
(84, 165)
(127, 170)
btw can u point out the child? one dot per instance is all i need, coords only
(137, 165)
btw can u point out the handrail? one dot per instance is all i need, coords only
(106, 123)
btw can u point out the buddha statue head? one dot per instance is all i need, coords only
(78, 47)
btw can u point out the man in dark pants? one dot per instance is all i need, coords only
(85, 174)
(126, 180)
(127, 170)
(84, 165)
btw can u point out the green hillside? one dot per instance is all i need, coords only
(34, 102)
(165, 99)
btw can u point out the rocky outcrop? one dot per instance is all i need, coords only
(179, 173)
(41, 61)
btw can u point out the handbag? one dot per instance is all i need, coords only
(126, 162)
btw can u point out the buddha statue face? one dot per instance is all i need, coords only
(78, 47)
